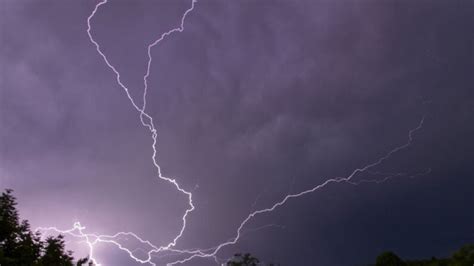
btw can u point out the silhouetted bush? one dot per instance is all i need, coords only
(463, 257)
(19, 246)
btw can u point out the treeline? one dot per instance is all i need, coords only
(20, 246)
(463, 257)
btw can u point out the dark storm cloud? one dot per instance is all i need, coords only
(252, 100)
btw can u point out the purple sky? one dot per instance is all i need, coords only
(254, 100)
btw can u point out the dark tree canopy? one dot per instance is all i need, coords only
(55, 253)
(389, 259)
(19, 246)
(462, 257)
(243, 260)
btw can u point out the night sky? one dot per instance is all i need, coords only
(254, 100)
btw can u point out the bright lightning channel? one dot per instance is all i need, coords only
(347, 179)
(147, 121)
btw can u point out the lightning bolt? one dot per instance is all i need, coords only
(347, 179)
(147, 121)
(145, 116)
(152, 251)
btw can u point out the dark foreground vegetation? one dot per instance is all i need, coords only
(20, 246)
(462, 257)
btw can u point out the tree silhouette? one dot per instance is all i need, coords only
(19, 246)
(463, 257)
(55, 253)
(243, 260)
(83, 261)
(389, 259)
